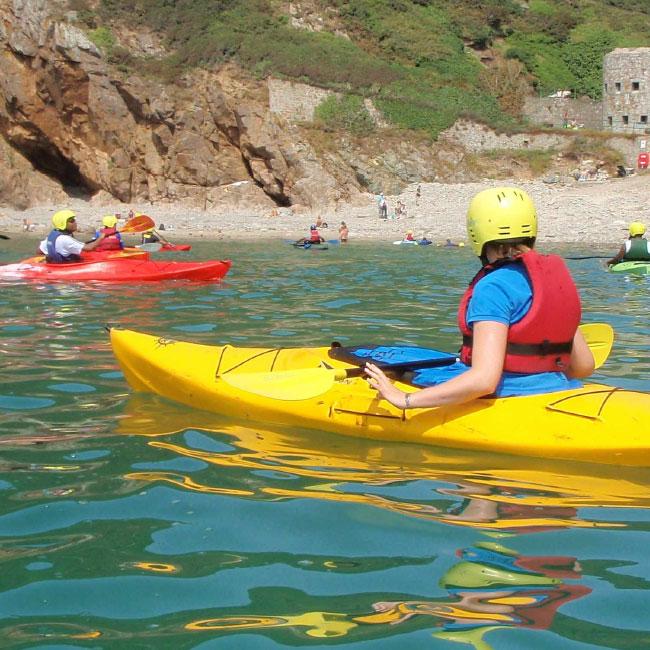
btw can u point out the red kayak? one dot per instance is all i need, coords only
(122, 269)
(94, 256)
(176, 247)
(132, 253)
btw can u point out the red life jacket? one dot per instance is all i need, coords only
(542, 340)
(112, 241)
(315, 236)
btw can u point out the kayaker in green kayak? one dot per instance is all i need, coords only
(636, 248)
(519, 317)
(60, 246)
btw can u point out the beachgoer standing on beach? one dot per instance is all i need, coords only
(383, 206)
(343, 232)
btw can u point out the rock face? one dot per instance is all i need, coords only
(68, 121)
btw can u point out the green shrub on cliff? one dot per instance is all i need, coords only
(346, 113)
(103, 38)
(419, 60)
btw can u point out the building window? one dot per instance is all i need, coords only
(636, 85)
(618, 86)
(643, 119)
(610, 121)
(626, 120)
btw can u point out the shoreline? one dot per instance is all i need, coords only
(588, 213)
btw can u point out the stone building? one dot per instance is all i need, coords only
(626, 91)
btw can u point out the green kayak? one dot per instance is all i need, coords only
(635, 268)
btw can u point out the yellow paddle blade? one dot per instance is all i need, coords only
(138, 224)
(291, 385)
(600, 338)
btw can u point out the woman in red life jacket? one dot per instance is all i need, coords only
(112, 239)
(519, 317)
(314, 236)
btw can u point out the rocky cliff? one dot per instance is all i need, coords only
(69, 123)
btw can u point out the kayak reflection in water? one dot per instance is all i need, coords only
(519, 317)
(492, 587)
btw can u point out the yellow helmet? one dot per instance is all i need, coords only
(498, 214)
(637, 228)
(60, 219)
(109, 221)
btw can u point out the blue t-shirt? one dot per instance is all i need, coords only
(502, 296)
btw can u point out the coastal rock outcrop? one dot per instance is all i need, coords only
(69, 120)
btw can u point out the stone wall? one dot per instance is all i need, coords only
(295, 101)
(477, 138)
(562, 112)
(626, 91)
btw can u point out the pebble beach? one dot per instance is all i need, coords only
(591, 213)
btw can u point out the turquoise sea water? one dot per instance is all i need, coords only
(130, 522)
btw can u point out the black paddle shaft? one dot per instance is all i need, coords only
(402, 367)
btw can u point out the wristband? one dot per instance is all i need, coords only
(407, 401)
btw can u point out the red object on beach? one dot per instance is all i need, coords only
(124, 269)
(176, 247)
(643, 160)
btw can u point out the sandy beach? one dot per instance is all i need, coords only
(587, 212)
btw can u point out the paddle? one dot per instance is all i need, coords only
(153, 247)
(138, 224)
(294, 385)
(600, 338)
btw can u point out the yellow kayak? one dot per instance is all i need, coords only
(295, 387)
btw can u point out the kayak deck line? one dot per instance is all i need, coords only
(606, 395)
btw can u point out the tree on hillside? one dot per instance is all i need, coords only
(507, 80)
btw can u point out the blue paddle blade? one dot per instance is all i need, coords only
(393, 355)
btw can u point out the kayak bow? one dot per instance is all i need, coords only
(633, 268)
